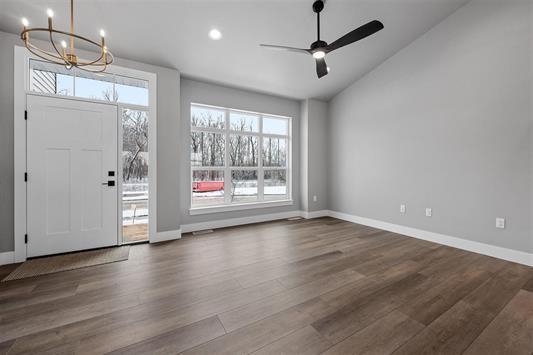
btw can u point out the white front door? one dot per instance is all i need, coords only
(71, 157)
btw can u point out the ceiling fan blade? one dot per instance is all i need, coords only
(321, 67)
(284, 48)
(356, 35)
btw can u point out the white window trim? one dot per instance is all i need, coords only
(21, 89)
(260, 203)
(238, 207)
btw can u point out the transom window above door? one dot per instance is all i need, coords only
(54, 79)
(238, 158)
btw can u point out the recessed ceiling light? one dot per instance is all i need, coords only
(215, 34)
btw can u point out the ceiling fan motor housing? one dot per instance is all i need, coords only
(318, 45)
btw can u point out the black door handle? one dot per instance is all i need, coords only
(109, 183)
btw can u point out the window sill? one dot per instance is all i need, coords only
(238, 207)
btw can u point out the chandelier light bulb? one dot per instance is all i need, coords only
(50, 13)
(102, 33)
(25, 22)
(64, 44)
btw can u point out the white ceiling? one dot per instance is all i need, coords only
(174, 34)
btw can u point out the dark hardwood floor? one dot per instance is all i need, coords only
(285, 287)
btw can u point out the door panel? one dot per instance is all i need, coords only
(71, 146)
(92, 197)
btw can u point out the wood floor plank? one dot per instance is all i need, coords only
(458, 327)
(429, 305)
(5, 346)
(529, 285)
(177, 340)
(511, 332)
(263, 308)
(257, 335)
(363, 312)
(304, 341)
(451, 333)
(381, 337)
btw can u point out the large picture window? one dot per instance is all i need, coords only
(238, 157)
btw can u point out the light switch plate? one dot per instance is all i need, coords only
(402, 208)
(429, 212)
(500, 223)
(315, 199)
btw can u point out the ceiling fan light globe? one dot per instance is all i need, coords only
(319, 54)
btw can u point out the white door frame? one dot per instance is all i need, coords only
(21, 88)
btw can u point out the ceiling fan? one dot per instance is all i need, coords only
(319, 48)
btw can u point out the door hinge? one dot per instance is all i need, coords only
(26, 177)
(25, 239)
(25, 114)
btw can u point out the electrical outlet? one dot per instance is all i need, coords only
(402, 208)
(500, 223)
(429, 212)
(315, 199)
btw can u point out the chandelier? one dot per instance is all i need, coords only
(65, 53)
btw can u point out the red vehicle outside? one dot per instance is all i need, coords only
(207, 186)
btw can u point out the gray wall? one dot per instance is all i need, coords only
(445, 123)
(304, 155)
(6, 142)
(168, 86)
(199, 92)
(313, 155)
(318, 149)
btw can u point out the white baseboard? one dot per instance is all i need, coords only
(464, 244)
(7, 257)
(166, 235)
(314, 214)
(222, 223)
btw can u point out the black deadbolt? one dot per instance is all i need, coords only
(110, 173)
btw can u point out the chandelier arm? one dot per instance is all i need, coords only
(94, 62)
(66, 62)
(98, 62)
(35, 50)
(29, 45)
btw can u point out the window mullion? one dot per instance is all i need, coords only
(227, 169)
(260, 175)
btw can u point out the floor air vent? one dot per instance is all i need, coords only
(202, 232)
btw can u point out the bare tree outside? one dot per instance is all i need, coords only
(135, 174)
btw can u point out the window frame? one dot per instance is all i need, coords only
(228, 205)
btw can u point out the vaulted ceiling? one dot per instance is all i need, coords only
(174, 34)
